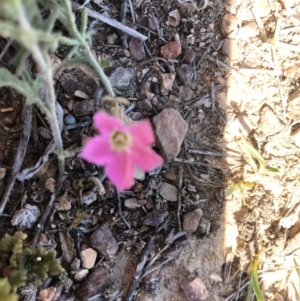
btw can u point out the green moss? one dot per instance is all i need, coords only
(29, 265)
(6, 293)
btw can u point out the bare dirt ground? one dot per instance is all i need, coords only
(237, 87)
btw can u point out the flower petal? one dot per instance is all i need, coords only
(97, 151)
(106, 123)
(145, 157)
(142, 131)
(120, 171)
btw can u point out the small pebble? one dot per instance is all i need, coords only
(155, 88)
(154, 218)
(132, 203)
(184, 73)
(103, 241)
(44, 133)
(195, 290)
(145, 105)
(189, 56)
(191, 220)
(136, 116)
(81, 275)
(136, 49)
(69, 119)
(168, 192)
(88, 256)
(171, 50)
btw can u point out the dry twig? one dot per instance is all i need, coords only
(27, 113)
(111, 22)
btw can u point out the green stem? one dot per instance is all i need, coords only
(49, 109)
(92, 60)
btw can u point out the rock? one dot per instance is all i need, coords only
(269, 122)
(75, 265)
(88, 258)
(215, 278)
(132, 203)
(155, 88)
(89, 197)
(191, 220)
(104, 242)
(139, 174)
(248, 30)
(170, 176)
(69, 119)
(136, 49)
(136, 116)
(293, 109)
(83, 107)
(174, 18)
(168, 192)
(189, 56)
(81, 94)
(111, 39)
(184, 73)
(120, 78)
(171, 50)
(47, 293)
(92, 285)
(77, 80)
(170, 129)
(229, 26)
(154, 218)
(229, 48)
(152, 23)
(145, 105)
(195, 290)
(81, 275)
(166, 81)
(44, 133)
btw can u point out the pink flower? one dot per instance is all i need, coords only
(120, 148)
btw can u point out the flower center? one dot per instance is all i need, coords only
(120, 141)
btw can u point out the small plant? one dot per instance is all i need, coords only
(254, 284)
(258, 164)
(27, 264)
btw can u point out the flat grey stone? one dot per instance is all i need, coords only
(168, 192)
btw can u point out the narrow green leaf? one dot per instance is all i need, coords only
(254, 280)
(252, 152)
(84, 20)
(229, 191)
(271, 170)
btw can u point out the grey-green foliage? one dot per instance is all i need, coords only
(22, 22)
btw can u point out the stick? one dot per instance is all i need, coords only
(27, 111)
(112, 22)
(179, 197)
(139, 270)
(120, 211)
(123, 13)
